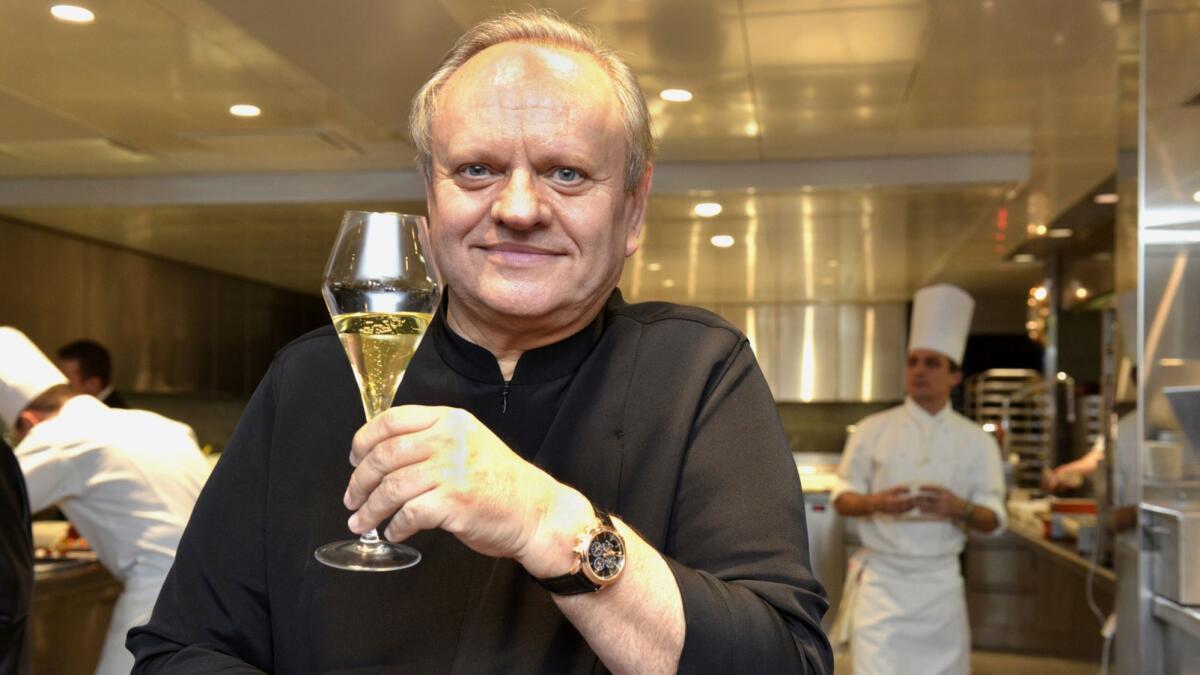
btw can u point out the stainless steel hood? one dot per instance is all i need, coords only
(823, 352)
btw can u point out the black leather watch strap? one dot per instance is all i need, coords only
(575, 583)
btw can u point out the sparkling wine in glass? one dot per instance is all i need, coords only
(381, 290)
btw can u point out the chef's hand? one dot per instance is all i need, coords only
(436, 467)
(891, 500)
(937, 500)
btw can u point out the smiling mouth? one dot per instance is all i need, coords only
(516, 255)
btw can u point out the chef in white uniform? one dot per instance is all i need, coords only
(126, 479)
(916, 476)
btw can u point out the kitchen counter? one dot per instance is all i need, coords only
(73, 600)
(1063, 552)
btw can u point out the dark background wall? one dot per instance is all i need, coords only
(171, 328)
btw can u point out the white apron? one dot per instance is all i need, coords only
(133, 608)
(904, 615)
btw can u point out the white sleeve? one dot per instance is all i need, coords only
(987, 488)
(49, 475)
(854, 471)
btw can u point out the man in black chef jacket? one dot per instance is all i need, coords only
(540, 412)
(16, 566)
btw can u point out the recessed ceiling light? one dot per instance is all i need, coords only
(1106, 198)
(1040, 293)
(722, 240)
(244, 110)
(72, 14)
(1081, 293)
(1024, 258)
(1196, 196)
(1040, 230)
(707, 209)
(1060, 233)
(863, 112)
(653, 267)
(676, 95)
(668, 283)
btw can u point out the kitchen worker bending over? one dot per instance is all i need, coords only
(126, 479)
(917, 476)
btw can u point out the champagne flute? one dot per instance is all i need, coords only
(381, 290)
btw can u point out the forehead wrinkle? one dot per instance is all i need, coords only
(560, 87)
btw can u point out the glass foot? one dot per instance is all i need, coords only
(359, 555)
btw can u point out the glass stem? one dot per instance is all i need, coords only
(370, 538)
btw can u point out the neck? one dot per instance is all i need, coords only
(932, 406)
(507, 337)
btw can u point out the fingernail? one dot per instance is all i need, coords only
(352, 462)
(353, 523)
(346, 499)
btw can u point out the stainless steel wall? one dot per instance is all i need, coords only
(827, 352)
(170, 327)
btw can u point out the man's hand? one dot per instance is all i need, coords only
(441, 468)
(937, 500)
(892, 500)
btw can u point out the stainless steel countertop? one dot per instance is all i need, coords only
(1060, 551)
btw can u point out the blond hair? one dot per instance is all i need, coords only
(547, 28)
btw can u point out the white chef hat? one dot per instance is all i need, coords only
(941, 319)
(25, 373)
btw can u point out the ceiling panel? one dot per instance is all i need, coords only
(146, 90)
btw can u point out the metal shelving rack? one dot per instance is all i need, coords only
(1017, 402)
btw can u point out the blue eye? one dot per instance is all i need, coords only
(474, 171)
(567, 174)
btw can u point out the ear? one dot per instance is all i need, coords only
(30, 418)
(635, 207)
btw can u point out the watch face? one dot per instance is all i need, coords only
(606, 556)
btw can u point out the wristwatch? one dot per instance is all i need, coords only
(601, 558)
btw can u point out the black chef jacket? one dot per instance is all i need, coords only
(16, 566)
(658, 413)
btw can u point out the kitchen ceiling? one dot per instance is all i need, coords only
(860, 148)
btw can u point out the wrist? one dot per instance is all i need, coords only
(550, 551)
(967, 509)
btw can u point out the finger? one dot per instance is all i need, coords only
(390, 455)
(424, 512)
(897, 490)
(394, 491)
(398, 421)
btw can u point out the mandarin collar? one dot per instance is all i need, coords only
(922, 415)
(535, 366)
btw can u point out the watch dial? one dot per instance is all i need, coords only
(606, 555)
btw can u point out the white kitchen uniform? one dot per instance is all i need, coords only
(127, 480)
(904, 601)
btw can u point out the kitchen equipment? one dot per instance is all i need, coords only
(1074, 510)
(826, 548)
(1169, 461)
(1185, 402)
(1172, 533)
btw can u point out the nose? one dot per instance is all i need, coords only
(518, 206)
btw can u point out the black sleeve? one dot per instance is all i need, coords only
(16, 566)
(212, 615)
(739, 544)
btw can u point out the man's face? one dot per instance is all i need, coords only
(528, 214)
(88, 385)
(927, 376)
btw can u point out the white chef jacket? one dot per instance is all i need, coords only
(906, 445)
(127, 480)
(905, 608)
